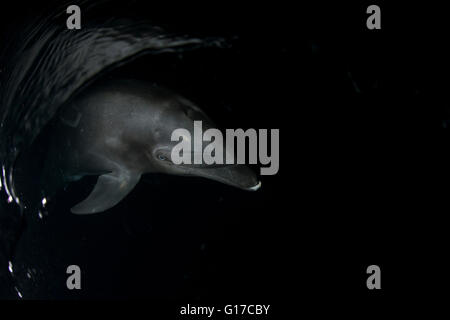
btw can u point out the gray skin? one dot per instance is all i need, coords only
(121, 129)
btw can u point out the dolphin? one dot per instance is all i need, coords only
(121, 129)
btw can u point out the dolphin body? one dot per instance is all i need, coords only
(119, 130)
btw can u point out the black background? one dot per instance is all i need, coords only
(363, 177)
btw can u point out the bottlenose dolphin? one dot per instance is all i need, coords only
(121, 129)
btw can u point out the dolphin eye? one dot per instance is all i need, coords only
(162, 157)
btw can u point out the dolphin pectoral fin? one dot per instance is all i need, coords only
(110, 189)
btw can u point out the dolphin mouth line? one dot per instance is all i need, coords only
(218, 174)
(255, 187)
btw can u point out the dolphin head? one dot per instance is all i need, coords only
(176, 112)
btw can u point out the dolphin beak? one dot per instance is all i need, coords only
(239, 176)
(256, 187)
